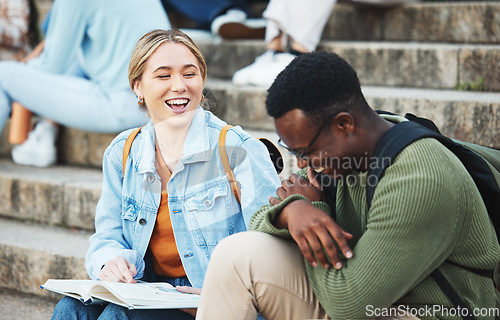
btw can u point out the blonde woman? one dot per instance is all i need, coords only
(160, 217)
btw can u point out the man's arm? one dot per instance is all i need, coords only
(304, 218)
(412, 227)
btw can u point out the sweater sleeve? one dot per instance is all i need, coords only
(263, 219)
(412, 226)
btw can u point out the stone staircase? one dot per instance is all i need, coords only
(409, 59)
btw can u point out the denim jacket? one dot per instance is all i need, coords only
(203, 208)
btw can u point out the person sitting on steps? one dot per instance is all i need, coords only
(321, 253)
(79, 80)
(293, 27)
(166, 205)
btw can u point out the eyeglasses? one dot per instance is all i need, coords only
(304, 152)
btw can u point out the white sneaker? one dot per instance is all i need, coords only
(264, 69)
(234, 24)
(39, 149)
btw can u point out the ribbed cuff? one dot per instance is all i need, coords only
(273, 213)
(322, 206)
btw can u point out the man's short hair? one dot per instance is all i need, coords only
(318, 83)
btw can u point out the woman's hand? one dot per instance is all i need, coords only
(186, 289)
(118, 270)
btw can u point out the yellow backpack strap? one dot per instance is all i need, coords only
(225, 163)
(128, 145)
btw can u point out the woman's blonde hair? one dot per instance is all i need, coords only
(149, 42)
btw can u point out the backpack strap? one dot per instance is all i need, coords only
(225, 162)
(404, 133)
(451, 294)
(399, 137)
(223, 154)
(128, 146)
(390, 145)
(274, 154)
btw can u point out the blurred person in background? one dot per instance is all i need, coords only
(18, 28)
(79, 79)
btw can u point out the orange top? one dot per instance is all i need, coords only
(165, 257)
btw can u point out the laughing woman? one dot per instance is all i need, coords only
(161, 215)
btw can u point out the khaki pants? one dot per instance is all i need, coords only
(253, 272)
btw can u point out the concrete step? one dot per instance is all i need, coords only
(66, 195)
(398, 64)
(437, 21)
(77, 147)
(86, 149)
(43, 9)
(61, 196)
(453, 22)
(467, 116)
(21, 306)
(32, 253)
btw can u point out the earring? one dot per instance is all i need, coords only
(140, 101)
(202, 97)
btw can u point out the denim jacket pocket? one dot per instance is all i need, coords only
(130, 211)
(207, 212)
(204, 200)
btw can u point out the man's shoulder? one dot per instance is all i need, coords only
(428, 159)
(430, 154)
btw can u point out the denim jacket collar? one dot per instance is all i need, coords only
(146, 155)
(196, 147)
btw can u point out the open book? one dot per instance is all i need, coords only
(143, 295)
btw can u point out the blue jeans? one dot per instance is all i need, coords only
(202, 12)
(69, 99)
(72, 309)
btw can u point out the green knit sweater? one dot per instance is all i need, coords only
(425, 213)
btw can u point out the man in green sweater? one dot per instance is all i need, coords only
(321, 253)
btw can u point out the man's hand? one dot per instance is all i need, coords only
(295, 184)
(315, 233)
(312, 229)
(118, 270)
(186, 289)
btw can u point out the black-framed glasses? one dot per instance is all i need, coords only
(301, 155)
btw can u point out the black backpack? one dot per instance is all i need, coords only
(483, 164)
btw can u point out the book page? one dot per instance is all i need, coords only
(78, 289)
(154, 295)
